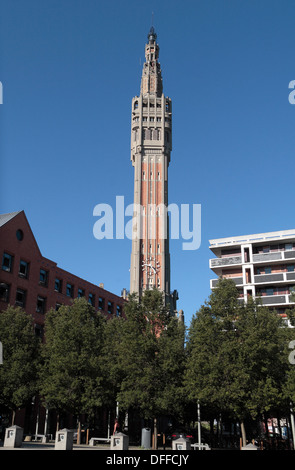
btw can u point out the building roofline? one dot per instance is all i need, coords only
(256, 237)
(4, 218)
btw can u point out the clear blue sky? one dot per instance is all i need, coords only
(69, 70)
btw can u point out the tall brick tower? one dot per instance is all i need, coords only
(151, 144)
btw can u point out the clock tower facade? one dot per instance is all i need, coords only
(151, 145)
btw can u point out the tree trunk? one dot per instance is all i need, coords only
(243, 431)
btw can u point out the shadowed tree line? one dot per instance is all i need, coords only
(232, 360)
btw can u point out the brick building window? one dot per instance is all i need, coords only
(101, 303)
(7, 261)
(110, 307)
(58, 285)
(81, 292)
(23, 269)
(119, 310)
(41, 304)
(91, 299)
(4, 292)
(20, 299)
(43, 277)
(70, 290)
(39, 330)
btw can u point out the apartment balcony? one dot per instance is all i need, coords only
(275, 300)
(275, 277)
(227, 261)
(273, 256)
(237, 280)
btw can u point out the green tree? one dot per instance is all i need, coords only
(71, 378)
(21, 349)
(235, 361)
(151, 357)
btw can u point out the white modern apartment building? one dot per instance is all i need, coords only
(261, 265)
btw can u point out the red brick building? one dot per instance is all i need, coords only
(36, 283)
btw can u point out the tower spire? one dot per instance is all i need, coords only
(151, 81)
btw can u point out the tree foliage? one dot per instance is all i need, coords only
(150, 356)
(236, 361)
(71, 378)
(21, 350)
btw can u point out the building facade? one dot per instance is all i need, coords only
(261, 265)
(151, 145)
(37, 284)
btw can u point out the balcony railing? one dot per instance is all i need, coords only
(266, 278)
(276, 299)
(237, 280)
(273, 256)
(275, 277)
(228, 261)
(260, 257)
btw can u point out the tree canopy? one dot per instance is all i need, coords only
(236, 361)
(21, 348)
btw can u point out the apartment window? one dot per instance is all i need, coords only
(269, 291)
(119, 310)
(19, 235)
(288, 246)
(43, 277)
(267, 270)
(41, 304)
(91, 299)
(110, 307)
(39, 330)
(7, 262)
(101, 303)
(57, 306)
(81, 292)
(290, 268)
(23, 269)
(20, 298)
(58, 285)
(70, 290)
(265, 249)
(4, 292)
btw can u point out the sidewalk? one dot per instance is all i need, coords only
(50, 446)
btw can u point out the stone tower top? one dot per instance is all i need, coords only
(151, 81)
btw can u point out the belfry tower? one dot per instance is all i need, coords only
(151, 145)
